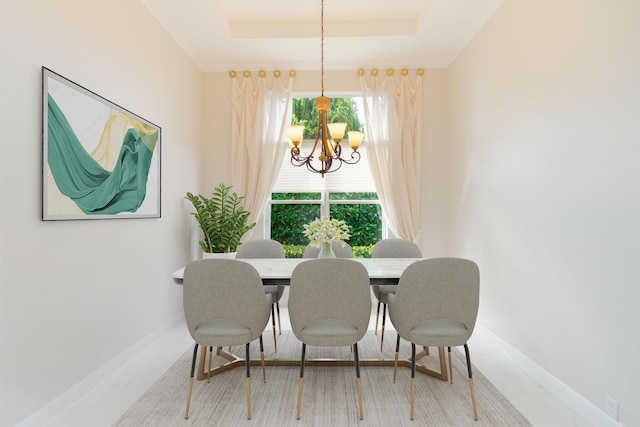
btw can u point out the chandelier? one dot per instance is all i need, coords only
(328, 136)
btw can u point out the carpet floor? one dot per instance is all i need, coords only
(329, 395)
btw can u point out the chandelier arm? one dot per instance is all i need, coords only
(297, 161)
(355, 158)
(337, 167)
(337, 151)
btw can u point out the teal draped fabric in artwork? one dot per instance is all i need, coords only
(79, 177)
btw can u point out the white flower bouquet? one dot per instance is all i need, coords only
(326, 230)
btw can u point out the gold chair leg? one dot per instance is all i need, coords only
(248, 398)
(193, 370)
(473, 400)
(300, 381)
(359, 383)
(413, 388)
(395, 368)
(473, 393)
(186, 413)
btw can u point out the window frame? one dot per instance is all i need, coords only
(325, 201)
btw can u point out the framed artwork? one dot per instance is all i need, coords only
(99, 160)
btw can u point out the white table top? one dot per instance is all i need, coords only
(268, 268)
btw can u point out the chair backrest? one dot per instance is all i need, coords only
(340, 251)
(395, 248)
(224, 289)
(260, 248)
(437, 288)
(330, 288)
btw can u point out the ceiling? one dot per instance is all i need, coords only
(223, 35)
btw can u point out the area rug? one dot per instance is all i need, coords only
(329, 396)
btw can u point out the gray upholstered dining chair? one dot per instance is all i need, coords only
(390, 248)
(224, 305)
(266, 248)
(338, 249)
(436, 304)
(330, 306)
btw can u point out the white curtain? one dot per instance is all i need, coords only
(393, 117)
(259, 139)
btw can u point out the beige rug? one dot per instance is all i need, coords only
(329, 396)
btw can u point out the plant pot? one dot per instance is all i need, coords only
(219, 255)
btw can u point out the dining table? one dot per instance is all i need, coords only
(379, 269)
(279, 270)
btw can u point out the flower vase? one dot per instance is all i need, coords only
(326, 251)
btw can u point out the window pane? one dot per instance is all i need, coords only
(295, 196)
(287, 222)
(364, 221)
(340, 110)
(353, 196)
(355, 177)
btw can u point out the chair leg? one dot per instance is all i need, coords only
(358, 381)
(279, 324)
(247, 363)
(210, 360)
(395, 364)
(301, 380)
(377, 316)
(450, 367)
(473, 393)
(273, 322)
(384, 315)
(264, 373)
(413, 377)
(193, 370)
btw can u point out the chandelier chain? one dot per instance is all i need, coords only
(322, 46)
(328, 136)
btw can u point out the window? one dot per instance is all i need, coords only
(300, 196)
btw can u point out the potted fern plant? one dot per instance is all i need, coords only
(222, 218)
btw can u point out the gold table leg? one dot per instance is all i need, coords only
(235, 361)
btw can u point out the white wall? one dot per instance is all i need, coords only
(543, 111)
(75, 294)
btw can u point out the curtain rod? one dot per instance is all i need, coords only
(390, 71)
(261, 73)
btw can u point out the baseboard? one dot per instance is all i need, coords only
(58, 406)
(563, 392)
